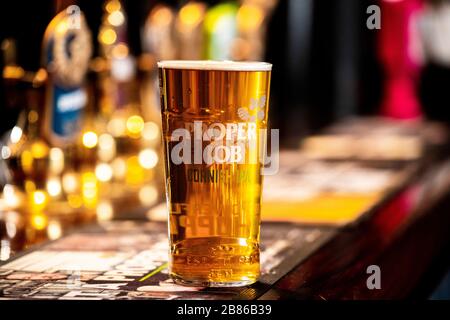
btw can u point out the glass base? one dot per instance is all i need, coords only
(211, 284)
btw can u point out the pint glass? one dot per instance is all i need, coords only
(214, 120)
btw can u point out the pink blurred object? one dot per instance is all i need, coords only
(399, 61)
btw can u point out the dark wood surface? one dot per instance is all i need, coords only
(407, 238)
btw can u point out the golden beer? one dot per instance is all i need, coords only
(213, 117)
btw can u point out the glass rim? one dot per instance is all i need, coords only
(214, 65)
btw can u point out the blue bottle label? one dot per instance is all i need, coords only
(67, 110)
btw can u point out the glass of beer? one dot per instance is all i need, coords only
(214, 121)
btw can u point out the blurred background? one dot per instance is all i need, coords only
(352, 80)
(327, 63)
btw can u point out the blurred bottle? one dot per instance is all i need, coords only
(128, 150)
(13, 85)
(27, 157)
(41, 150)
(67, 51)
(12, 76)
(159, 42)
(189, 30)
(399, 57)
(158, 34)
(220, 31)
(433, 25)
(251, 23)
(87, 148)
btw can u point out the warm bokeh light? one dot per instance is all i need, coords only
(30, 186)
(16, 134)
(75, 201)
(108, 36)
(148, 195)
(40, 76)
(116, 18)
(54, 230)
(113, 5)
(120, 51)
(12, 222)
(89, 189)
(26, 159)
(117, 127)
(249, 18)
(70, 182)
(38, 200)
(33, 116)
(54, 186)
(106, 147)
(119, 167)
(11, 196)
(191, 14)
(6, 152)
(104, 211)
(106, 141)
(39, 197)
(5, 250)
(135, 173)
(148, 158)
(162, 16)
(56, 160)
(135, 125)
(39, 149)
(90, 139)
(13, 72)
(39, 221)
(103, 172)
(150, 131)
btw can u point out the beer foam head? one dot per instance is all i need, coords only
(215, 65)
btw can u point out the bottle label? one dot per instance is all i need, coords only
(67, 108)
(67, 51)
